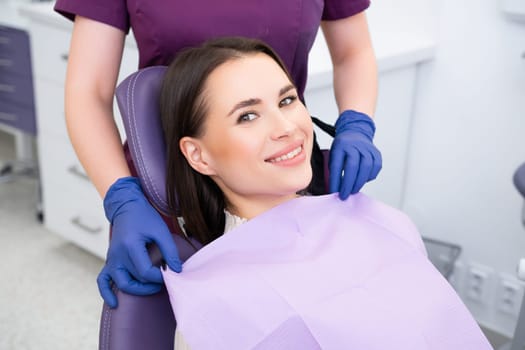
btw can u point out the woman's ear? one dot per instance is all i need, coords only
(194, 153)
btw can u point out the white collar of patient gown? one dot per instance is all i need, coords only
(232, 221)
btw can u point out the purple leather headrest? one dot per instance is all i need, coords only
(138, 101)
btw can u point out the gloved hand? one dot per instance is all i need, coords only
(354, 153)
(135, 223)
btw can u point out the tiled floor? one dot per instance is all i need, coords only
(49, 299)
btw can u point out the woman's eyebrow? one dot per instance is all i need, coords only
(253, 101)
(286, 89)
(246, 103)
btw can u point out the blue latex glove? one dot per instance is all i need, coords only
(135, 223)
(354, 159)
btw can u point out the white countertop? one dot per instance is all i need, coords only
(38, 11)
(9, 14)
(393, 49)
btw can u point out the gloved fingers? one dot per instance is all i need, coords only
(104, 288)
(335, 166)
(145, 271)
(351, 169)
(364, 171)
(126, 283)
(377, 163)
(169, 251)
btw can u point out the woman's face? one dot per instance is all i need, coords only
(258, 135)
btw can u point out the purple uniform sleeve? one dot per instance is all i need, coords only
(111, 12)
(337, 9)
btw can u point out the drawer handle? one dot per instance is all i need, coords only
(7, 88)
(64, 56)
(4, 62)
(10, 117)
(77, 172)
(4, 40)
(78, 223)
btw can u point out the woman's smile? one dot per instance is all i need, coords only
(288, 158)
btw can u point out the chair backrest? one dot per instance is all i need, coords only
(143, 322)
(137, 99)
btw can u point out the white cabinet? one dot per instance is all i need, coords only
(72, 206)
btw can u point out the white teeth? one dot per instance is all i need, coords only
(288, 155)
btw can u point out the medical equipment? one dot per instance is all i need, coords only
(443, 255)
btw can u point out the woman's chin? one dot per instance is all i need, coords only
(301, 186)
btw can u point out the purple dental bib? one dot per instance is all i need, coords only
(320, 273)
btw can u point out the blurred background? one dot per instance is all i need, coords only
(449, 124)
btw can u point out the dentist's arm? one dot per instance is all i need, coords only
(354, 159)
(93, 65)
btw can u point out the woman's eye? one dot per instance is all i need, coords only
(247, 117)
(287, 101)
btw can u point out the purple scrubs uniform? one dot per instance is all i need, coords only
(163, 28)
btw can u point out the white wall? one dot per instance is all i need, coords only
(468, 137)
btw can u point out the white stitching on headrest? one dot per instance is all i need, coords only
(106, 329)
(138, 145)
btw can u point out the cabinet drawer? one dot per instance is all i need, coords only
(14, 51)
(73, 207)
(74, 213)
(21, 117)
(17, 88)
(52, 47)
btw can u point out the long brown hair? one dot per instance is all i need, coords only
(183, 113)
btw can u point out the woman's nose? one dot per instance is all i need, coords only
(282, 125)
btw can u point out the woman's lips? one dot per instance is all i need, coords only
(291, 155)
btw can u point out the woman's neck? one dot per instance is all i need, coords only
(250, 207)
